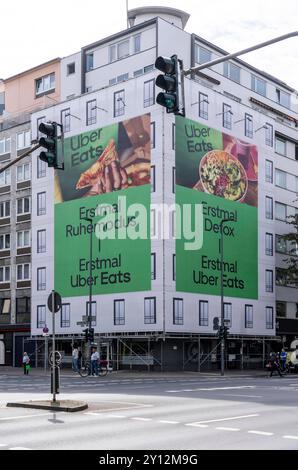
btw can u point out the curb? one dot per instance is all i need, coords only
(64, 405)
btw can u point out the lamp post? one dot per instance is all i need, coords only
(222, 341)
(90, 272)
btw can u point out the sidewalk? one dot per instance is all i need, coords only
(133, 374)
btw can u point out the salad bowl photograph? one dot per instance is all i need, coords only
(222, 174)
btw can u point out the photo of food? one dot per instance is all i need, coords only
(108, 159)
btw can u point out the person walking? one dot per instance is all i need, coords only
(94, 361)
(283, 359)
(26, 363)
(75, 359)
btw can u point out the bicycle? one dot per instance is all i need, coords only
(85, 369)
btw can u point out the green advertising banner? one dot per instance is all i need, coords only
(107, 170)
(216, 179)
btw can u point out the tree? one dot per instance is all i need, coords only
(292, 259)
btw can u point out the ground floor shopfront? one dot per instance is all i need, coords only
(164, 352)
(13, 342)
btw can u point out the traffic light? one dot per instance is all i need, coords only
(172, 81)
(49, 142)
(86, 331)
(215, 323)
(223, 332)
(91, 335)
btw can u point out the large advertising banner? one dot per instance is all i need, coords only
(107, 170)
(217, 176)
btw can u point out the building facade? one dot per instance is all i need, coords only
(151, 306)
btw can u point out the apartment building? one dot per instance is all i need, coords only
(153, 301)
(20, 95)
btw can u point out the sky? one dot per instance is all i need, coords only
(33, 32)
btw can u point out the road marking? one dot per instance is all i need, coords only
(227, 429)
(224, 419)
(164, 421)
(212, 389)
(290, 437)
(246, 396)
(196, 425)
(131, 407)
(19, 448)
(261, 433)
(27, 416)
(142, 419)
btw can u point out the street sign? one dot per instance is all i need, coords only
(57, 302)
(45, 330)
(58, 358)
(85, 318)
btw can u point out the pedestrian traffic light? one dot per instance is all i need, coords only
(172, 81)
(49, 142)
(91, 335)
(86, 331)
(215, 323)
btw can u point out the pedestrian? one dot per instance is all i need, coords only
(26, 363)
(75, 358)
(274, 364)
(94, 361)
(79, 358)
(283, 359)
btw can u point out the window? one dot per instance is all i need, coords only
(153, 266)
(23, 305)
(137, 43)
(41, 168)
(269, 134)
(281, 309)
(149, 93)
(122, 49)
(269, 280)
(4, 209)
(150, 310)
(173, 136)
(269, 318)
(65, 316)
(119, 103)
(41, 241)
(41, 279)
(152, 127)
(281, 178)
(227, 116)
(24, 172)
(5, 306)
(5, 178)
(269, 244)
(249, 126)
(203, 106)
(119, 79)
(65, 119)
(258, 85)
(41, 203)
(174, 268)
(269, 207)
(280, 211)
(91, 112)
(41, 316)
(248, 316)
(280, 146)
(5, 242)
(178, 311)
(280, 277)
(148, 68)
(228, 313)
(23, 272)
(202, 55)
(173, 180)
(268, 171)
(93, 311)
(119, 312)
(5, 145)
(23, 239)
(4, 274)
(203, 313)
(89, 61)
(45, 84)
(71, 68)
(23, 205)
(153, 178)
(232, 71)
(283, 98)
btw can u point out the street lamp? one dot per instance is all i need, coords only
(222, 340)
(90, 271)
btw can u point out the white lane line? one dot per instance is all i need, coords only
(212, 389)
(27, 416)
(164, 421)
(227, 429)
(225, 419)
(142, 419)
(196, 425)
(261, 433)
(19, 448)
(290, 437)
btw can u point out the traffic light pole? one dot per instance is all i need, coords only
(16, 160)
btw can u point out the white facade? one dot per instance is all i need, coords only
(161, 37)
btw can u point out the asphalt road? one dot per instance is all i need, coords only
(144, 412)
